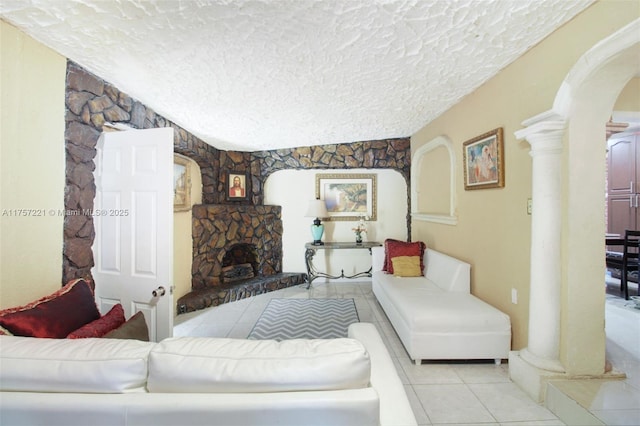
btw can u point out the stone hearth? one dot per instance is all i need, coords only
(214, 296)
(237, 253)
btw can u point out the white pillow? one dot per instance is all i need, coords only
(30, 364)
(197, 365)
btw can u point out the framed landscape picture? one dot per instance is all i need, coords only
(347, 196)
(484, 161)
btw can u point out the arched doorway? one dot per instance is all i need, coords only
(607, 68)
(566, 327)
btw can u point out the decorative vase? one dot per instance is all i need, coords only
(358, 238)
(316, 232)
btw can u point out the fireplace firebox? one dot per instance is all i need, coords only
(240, 262)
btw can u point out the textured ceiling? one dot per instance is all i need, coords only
(265, 74)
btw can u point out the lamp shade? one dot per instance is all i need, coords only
(317, 208)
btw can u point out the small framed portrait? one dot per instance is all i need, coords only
(237, 186)
(484, 161)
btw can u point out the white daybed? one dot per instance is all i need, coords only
(436, 316)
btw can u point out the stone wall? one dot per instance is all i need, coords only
(392, 154)
(91, 102)
(380, 154)
(218, 227)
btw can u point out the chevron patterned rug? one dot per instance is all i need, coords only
(305, 319)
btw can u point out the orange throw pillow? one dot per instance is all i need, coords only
(406, 266)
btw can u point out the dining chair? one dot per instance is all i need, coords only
(630, 260)
(614, 256)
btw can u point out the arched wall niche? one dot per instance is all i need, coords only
(437, 206)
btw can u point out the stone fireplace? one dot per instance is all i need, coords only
(237, 253)
(217, 228)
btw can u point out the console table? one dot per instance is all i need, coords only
(311, 249)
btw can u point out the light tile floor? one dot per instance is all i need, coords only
(610, 402)
(458, 393)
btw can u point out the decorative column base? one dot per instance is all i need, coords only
(530, 378)
(552, 365)
(533, 379)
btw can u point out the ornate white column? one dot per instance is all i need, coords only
(544, 133)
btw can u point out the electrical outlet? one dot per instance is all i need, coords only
(529, 205)
(514, 296)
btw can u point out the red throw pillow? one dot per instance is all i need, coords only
(395, 248)
(53, 316)
(386, 264)
(98, 328)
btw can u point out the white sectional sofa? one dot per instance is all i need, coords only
(201, 381)
(436, 316)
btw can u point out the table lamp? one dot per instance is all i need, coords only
(317, 209)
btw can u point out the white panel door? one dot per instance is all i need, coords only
(133, 218)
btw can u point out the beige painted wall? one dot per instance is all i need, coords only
(32, 137)
(493, 231)
(32, 158)
(629, 99)
(182, 240)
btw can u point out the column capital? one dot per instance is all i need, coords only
(544, 133)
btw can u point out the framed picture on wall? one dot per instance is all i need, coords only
(484, 161)
(237, 186)
(181, 183)
(348, 196)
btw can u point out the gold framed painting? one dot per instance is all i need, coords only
(181, 183)
(484, 161)
(348, 196)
